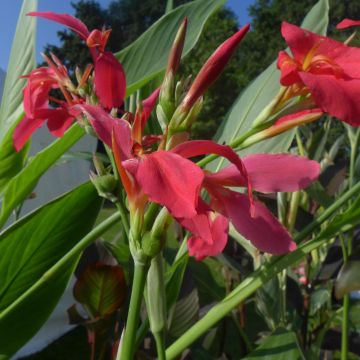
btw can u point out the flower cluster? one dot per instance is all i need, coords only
(157, 167)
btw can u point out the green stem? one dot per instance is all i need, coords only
(124, 216)
(126, 349)
(258, 278)
(64, 261)
(160, 345)
(354, 143)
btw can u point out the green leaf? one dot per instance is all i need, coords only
(348, 278)
(101, 289)
(258, 95)
(319, 298)
(21, 62)
(147, 56)
(20, 186)
(185, 314)
(29, 248)
(281, 344)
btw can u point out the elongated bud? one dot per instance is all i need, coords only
(177, 49)
(285, 123)
(155, 295)
(213, 68)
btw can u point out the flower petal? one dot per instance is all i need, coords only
(346, 23)
(336, 96)
(172, 181)
(198, 246)
(24, 130)
(71, 22)
(202, 147)
(110, 82)
(103, 124)
(148, 105)
(280, 172)
(59, 120)
(263, 230)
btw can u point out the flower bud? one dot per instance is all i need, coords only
(213, 68)
(105, 185)
(177, 49)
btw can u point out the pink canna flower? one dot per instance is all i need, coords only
(36, 102)
(110, 81)
(327, 69)
(265, 173)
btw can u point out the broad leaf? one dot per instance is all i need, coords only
(147, 56)
(260, 92)
(28, 249)
(101, 289)
(21, 62)
(20, 186)
(281, 345)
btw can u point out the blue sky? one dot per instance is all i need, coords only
(47, 31)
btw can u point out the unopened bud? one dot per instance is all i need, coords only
(105, 185)
(177, 49)
(212, 69)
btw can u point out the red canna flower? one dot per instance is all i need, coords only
(36, 102)
(327, 69)
(266, 173)
(170, 179)
(110, 81)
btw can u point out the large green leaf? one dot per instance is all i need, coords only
(260, 92)
(28, 250)
(21, 62)
(280, 345)
(24, 182)
(147, 56)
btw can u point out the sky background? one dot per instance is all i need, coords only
(47, 30)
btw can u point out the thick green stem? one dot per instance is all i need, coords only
(124, 216)
(126, 349)
(160, 345)
(64, 261)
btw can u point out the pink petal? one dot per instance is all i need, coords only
(103, 124)
(263, 230)
(289, 69)
(172, 181)
(110, 82)
(71, 22)
(202, 147)
(280, 172)
(59, 120)
(336, 96)
(148, 106)
(24, 130)
(201, 248)
(346, 23)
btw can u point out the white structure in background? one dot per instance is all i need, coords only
(59, 179)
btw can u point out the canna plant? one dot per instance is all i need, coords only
(192, 196)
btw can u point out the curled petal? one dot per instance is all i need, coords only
(202, 147)
(110, 82)
(289, 69)
(346, 23)
(104, 124)
(71, 22)
(217, 227)
(263, 229)
(172, 181)
(24, 130)
(148, 105)
(280, 172)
